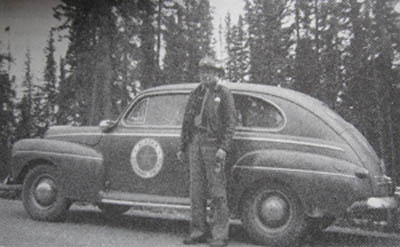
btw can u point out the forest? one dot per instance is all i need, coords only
(346, 53)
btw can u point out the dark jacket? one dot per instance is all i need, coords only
(224, 117)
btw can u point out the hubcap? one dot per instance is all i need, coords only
(274, 211)
(45, 192)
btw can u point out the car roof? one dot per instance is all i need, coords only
(315, 106)
(288, 94)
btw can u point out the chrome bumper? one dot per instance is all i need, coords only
(374, 213)
(374, 203)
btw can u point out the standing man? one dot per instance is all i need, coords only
(206, 138)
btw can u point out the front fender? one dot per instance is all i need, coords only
(324, 185)
(81, 167)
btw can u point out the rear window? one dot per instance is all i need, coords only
(254, 112)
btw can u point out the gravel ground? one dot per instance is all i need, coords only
(86, 226)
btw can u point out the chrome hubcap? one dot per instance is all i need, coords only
(274, 211)
(45, 192)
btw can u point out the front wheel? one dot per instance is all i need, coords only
(41, 194)
(273, 215)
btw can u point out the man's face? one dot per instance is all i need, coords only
(209, 76)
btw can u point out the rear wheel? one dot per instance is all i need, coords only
(273, 215)
(41, 194)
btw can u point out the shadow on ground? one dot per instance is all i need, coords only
(179, 228)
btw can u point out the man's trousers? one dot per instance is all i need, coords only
(207, 182)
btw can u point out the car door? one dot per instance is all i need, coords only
(258, 118)
(140, 153)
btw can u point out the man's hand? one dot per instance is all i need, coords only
(220, 155)
(181, 156)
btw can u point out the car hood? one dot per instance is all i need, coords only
(87, 135)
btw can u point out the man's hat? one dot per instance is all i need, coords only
(211, 63)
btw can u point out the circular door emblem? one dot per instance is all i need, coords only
(147, 158)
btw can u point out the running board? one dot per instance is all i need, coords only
(153, 205)
(143, 200)
(9, 191)
(144, 204)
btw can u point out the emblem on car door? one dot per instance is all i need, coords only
(147, 158)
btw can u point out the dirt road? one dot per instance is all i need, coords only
(85, 226)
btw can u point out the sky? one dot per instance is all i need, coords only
(221, 8)
(30, 21)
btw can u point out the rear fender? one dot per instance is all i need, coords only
(324, 185)
(81, 167)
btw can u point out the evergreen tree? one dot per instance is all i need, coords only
(175, 60)
(91, 28)
(237, 63)
(330, 54)
(199, 31)
(382, 76)
(148, 64)
(7, 96)
(269, 41)
(306, 65)
(25, 127)
(65, 98)
(230, 65)
(126, 54)
(189, 40)
(49, 89)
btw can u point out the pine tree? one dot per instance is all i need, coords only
(50, 87)
(330, 54)
(237, 63)
(65, 98)
(126, 54)
(269, 41)
(189, 41)
(230, 62)
(148, 64)
(91, 28)
(25, 127)
(383, 77)
(7, 122)
(198, 33)
(306, 68)
(175, 60)
(368, 75)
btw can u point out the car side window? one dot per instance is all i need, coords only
(159, 110)
(254, 112)
(138, 113)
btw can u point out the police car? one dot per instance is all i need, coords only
(295, 164)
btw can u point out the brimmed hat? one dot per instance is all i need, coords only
(209, 62)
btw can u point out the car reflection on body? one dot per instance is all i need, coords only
(296, 165)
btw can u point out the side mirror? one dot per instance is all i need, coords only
(106, 125)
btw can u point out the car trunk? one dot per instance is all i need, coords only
(381, 184)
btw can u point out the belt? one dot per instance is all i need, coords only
(204, 132)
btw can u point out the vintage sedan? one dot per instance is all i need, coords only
(296, 165)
